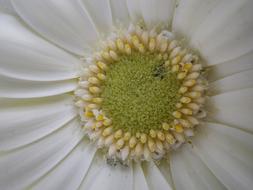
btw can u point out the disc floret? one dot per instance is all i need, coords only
(141, 95)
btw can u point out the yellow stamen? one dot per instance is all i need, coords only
(179, 128)
(177, 114)
(152, 133)
(132, 142)
(166, 126)
(94, 89)
(160, 135)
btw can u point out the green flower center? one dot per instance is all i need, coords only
(140, 93)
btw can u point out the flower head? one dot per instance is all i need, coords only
(126, 94)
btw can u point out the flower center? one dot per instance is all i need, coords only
(141, 95)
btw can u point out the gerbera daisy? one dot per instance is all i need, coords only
(126, 94)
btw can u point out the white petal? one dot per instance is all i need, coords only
(5, 6)
(139, 178)
(190, 173)
(157, 12)
(22, 167)
(26, 56)
(190, 14)
(120, 12)
(100, 12)
(16, 88)
(226, 33)
(103, 176)
(228, 154)
(155, 178)
(164, 167)
(134, 10)
(71, 171)
(25, 121)
(237, 65)
(64, 22)
(233, 108)
(234, 82)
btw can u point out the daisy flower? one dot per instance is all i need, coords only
(126, 94)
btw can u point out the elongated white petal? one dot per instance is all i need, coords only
(120, 13)
(64, 22)
(226, 33)
(25, 121)
(157, 12)
(24, 55)
(134, 10)
(228, 154)
(165, 169)
(190, 173)
(139, 178)
(228, 68)
(237, 81)
(106, 177)
(100, 12)
(233, 108)
(190, 14)
(154, 177)
(22, 167)
(70, 173)
(16, 88)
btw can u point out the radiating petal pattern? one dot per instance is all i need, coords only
(64, 22)
(155, 178)
(237, 81)
(22, 167)
(190, 173)
(26, 56)
(228, 68)
(134, 10)
(120, 13)
(226, 33)
(107, 177)
(139, 178)
(190, 14)
(70, 172)
(232, 108)
(16, 88)
(157, 12)
(26, 121)
(228, 153)
(100, 13)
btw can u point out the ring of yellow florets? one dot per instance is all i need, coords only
(101, 108)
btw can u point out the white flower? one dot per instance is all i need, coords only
(42, 144)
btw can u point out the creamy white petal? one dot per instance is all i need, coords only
(120, 12)
(103, 176)
(155, 178)
(234, 66)
(233, 108)
(63, 22)
(228, 153)
(190, 14)
(71, 171)
(26, 56)
(16, 88)
(157, 12)
(25, 121)
(139, 178)
(226, 33)
(190, 173)
(100, 12)
(134, 10)
(22, 167)
(165, 169)
(237, 81)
